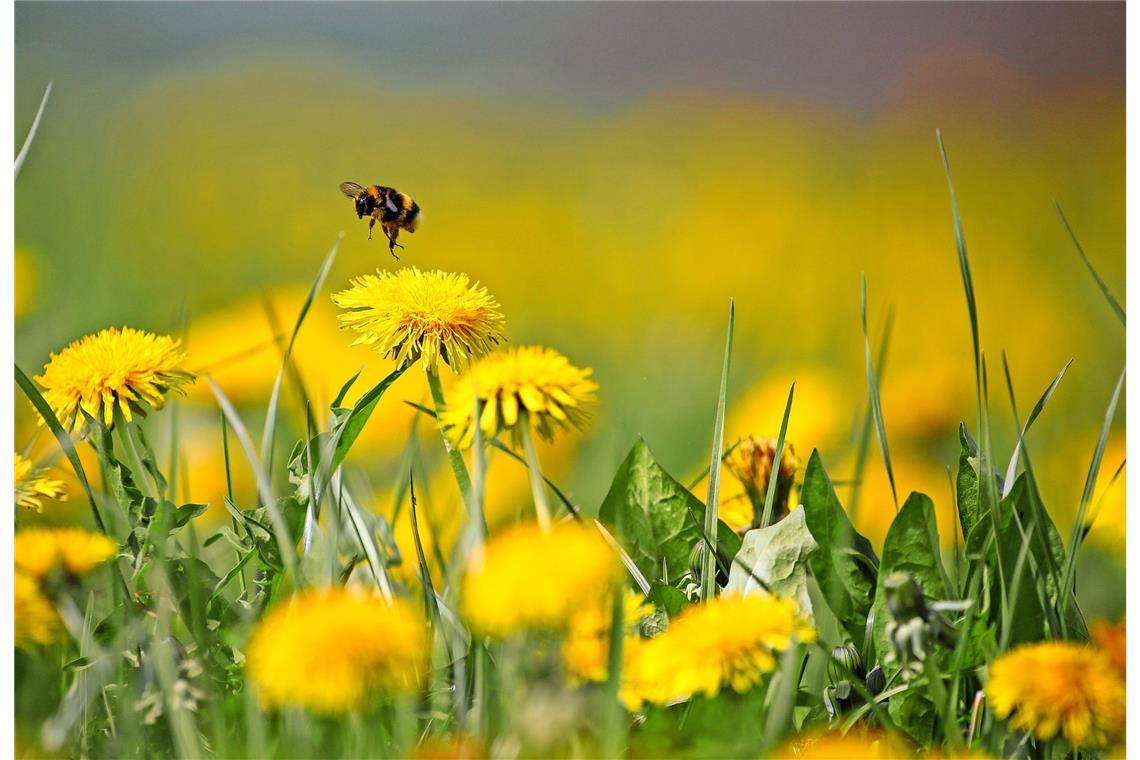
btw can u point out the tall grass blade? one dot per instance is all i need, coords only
(27, 146)
(773, 476)
(874, 397)
(963, 262)
(275, 396)
(708, 565)
(61, 436)
(264, 489)
(869, 421)
(1113, 304)
(1079, 528)
(1011, 470)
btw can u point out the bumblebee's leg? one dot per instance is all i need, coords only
(371, 222)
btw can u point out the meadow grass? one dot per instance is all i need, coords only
(572, 630)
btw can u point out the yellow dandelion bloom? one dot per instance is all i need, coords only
(731, 641)
(429, 317)
(1112, 639)
(39, 551)
(36, 619)
(586, 648)
(526, 579)
(854, 745)
(537, 381)
(330, 651)
(1059, 687)
(128, 368)
(33, 485)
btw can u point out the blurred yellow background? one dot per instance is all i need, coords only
(613, 180)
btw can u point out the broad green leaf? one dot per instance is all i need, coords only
(776, 556)
(845, 567)
(656, 519)
(911, 546)
(969, 503)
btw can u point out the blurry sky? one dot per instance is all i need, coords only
(854, 56)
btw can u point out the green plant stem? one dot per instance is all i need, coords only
(458, 466)
(537, 488)
(612, 734)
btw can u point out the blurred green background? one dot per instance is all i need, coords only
(613, 174)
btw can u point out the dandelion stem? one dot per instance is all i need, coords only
(537, 488)
(458, 466)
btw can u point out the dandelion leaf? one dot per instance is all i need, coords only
(845, 567)
(777, 557)
(657, 520)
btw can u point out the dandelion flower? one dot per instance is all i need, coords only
(1059, 687)
(586, 648)
(128, 368)
(530, 579)
(730, 641)
(33, 485)
(537, 382)
(1111, 639)
(832, 745)
(429, 317)
(331, 650)
(36, 620)
(39, 551)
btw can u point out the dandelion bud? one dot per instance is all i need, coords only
(841, 696)
(875, 681)
(845, 661)
(697, 559)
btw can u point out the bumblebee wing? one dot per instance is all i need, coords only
(351, 189)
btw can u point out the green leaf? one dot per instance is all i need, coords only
(1108, 296)
(911, 546)
(776, 556)
(668, 599)
(708, 570)
(970, 509)
(656, 519)
(845, 565)
(350, 422)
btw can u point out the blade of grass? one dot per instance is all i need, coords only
(774, 475)
(868, 422)
(708, 564)
(1011, 470)
(986, 483)
(1113, 304)
(61, 436)
(27, 146)
(873, 395)
(264, 489)
(275, 396)
(454, 457)
(1078, 531)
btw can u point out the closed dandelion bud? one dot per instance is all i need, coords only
(845, 662)
(696, 560)
(875, 681)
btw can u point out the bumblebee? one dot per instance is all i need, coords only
(394, 210)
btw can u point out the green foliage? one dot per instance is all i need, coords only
(657, 520)
(845, 567)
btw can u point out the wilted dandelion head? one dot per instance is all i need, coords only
(35, 618)
(331, 651)
(33, 485)
(128, 368)
(750, 462)
(531, 383)
(730, 641)
(528, 579)
(410, 315)
(1057, 687)
(39, 551)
